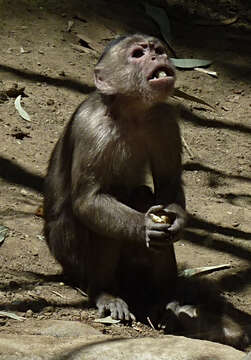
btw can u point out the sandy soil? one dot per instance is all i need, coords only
(41, 51)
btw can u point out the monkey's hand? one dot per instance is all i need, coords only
(117, 307)
(156, 227)
(178, 218)
(164, 225)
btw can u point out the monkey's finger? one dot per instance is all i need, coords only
(173, 306)
(132, 317)
(155, 209)
(160, 227)
(122, 311)
(154, 234)
(119, 310)
(115, 314)
(101, 311)
(177, 225)
(128, 316)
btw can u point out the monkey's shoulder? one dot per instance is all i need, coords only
(90, 118)
(88, 109)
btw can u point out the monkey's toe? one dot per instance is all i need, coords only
(117, 308)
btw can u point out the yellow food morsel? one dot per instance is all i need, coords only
(164, 219)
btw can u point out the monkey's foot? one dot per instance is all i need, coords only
(199, 322)
(176, 315)
(117, 307)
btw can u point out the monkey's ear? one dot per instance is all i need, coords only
(102, 85)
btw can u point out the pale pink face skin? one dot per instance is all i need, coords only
(152, 57)
(152, 60)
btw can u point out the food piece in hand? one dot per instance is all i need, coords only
(161, 217)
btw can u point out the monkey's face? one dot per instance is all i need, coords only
(153, 73)
(137, 66)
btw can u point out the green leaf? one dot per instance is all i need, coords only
(160, 17)
(3, 232)
(204, 270)
(190, 63)
(21, 111)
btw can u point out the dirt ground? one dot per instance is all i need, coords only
(50, 48)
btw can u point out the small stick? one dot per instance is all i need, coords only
(81, 292)
(58, 294)
(151, 324)
(190, 153)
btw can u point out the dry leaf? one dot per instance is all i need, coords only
(11, 315)
(181, 94)
(107, 320)
(20, 110)
(3, 233)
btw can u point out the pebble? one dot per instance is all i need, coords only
(236, 224)
(48, 309)
(82, 315)
(50, 102)
(29, 313)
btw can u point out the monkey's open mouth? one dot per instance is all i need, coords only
(164, 72)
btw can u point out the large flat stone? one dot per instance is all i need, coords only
(67, 340)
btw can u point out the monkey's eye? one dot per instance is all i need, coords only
(159, 50)
(137, 53)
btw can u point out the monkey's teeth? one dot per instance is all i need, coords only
(161, 74)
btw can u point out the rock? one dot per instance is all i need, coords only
(50, 102)
(55, 328)
(29, 313)
(170, 347)
(247, 357)
(56, 339)
(61, 328)
(10, 89)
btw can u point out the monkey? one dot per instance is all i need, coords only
(97, 171)
(117, 163)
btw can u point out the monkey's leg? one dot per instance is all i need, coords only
(68, 242)
(103, 279)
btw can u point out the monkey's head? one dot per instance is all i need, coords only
(135, 66)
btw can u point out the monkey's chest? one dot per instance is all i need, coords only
(135, 171)
(132, 172)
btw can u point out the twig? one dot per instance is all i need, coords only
(190, 153)
(151, 324)
(81, 292)
(58, 294)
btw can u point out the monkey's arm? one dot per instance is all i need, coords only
(104, 214)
